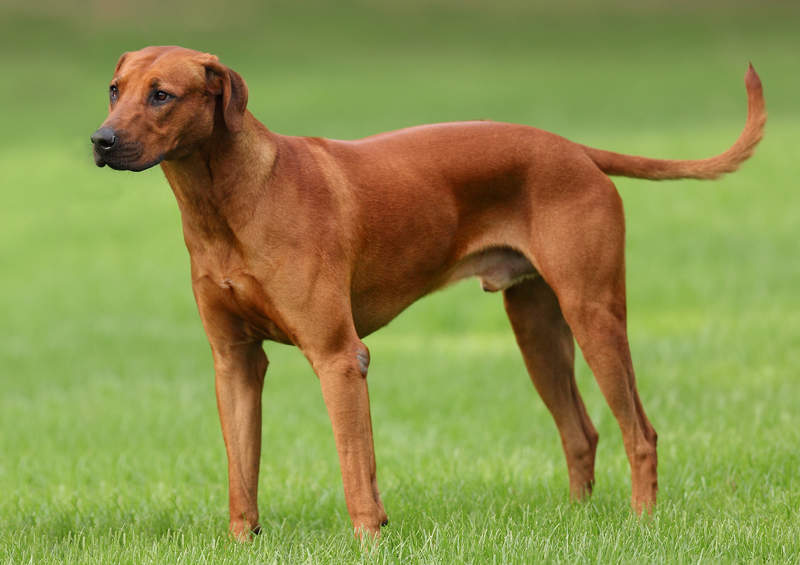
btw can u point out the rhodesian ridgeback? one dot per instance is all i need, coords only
(319, 242)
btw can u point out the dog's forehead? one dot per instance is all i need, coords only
(169, 63)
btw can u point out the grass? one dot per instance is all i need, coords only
(111, 450)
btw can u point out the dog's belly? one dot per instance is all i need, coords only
(498, 268)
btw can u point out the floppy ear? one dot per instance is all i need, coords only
(119, 63)
(227, 83)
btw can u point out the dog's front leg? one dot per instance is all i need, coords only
(240, 370)
(343, 379)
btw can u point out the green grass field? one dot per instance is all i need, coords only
(110, 447)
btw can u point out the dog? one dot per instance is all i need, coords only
(318, 242)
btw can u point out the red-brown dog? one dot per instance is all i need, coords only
(318, 242)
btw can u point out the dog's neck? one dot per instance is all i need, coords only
(214, 199)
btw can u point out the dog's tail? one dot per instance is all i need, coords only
(662, 169)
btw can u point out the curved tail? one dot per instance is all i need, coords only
(662, 169)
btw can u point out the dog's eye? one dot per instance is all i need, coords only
(113, 93)
(160, 97)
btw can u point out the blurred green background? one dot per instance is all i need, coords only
(110, 449)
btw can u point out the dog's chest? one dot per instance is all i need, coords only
(240, 296)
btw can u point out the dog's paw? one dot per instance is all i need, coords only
(242, 531)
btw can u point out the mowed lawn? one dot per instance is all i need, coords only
(110, 447)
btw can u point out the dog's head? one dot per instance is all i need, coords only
(163, 103)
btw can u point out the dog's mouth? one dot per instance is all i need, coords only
(124, 157)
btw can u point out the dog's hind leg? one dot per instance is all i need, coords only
(581, 255)
(547, 347)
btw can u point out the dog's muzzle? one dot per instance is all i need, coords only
(111, 150)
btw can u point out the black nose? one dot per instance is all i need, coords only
(104, 138)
